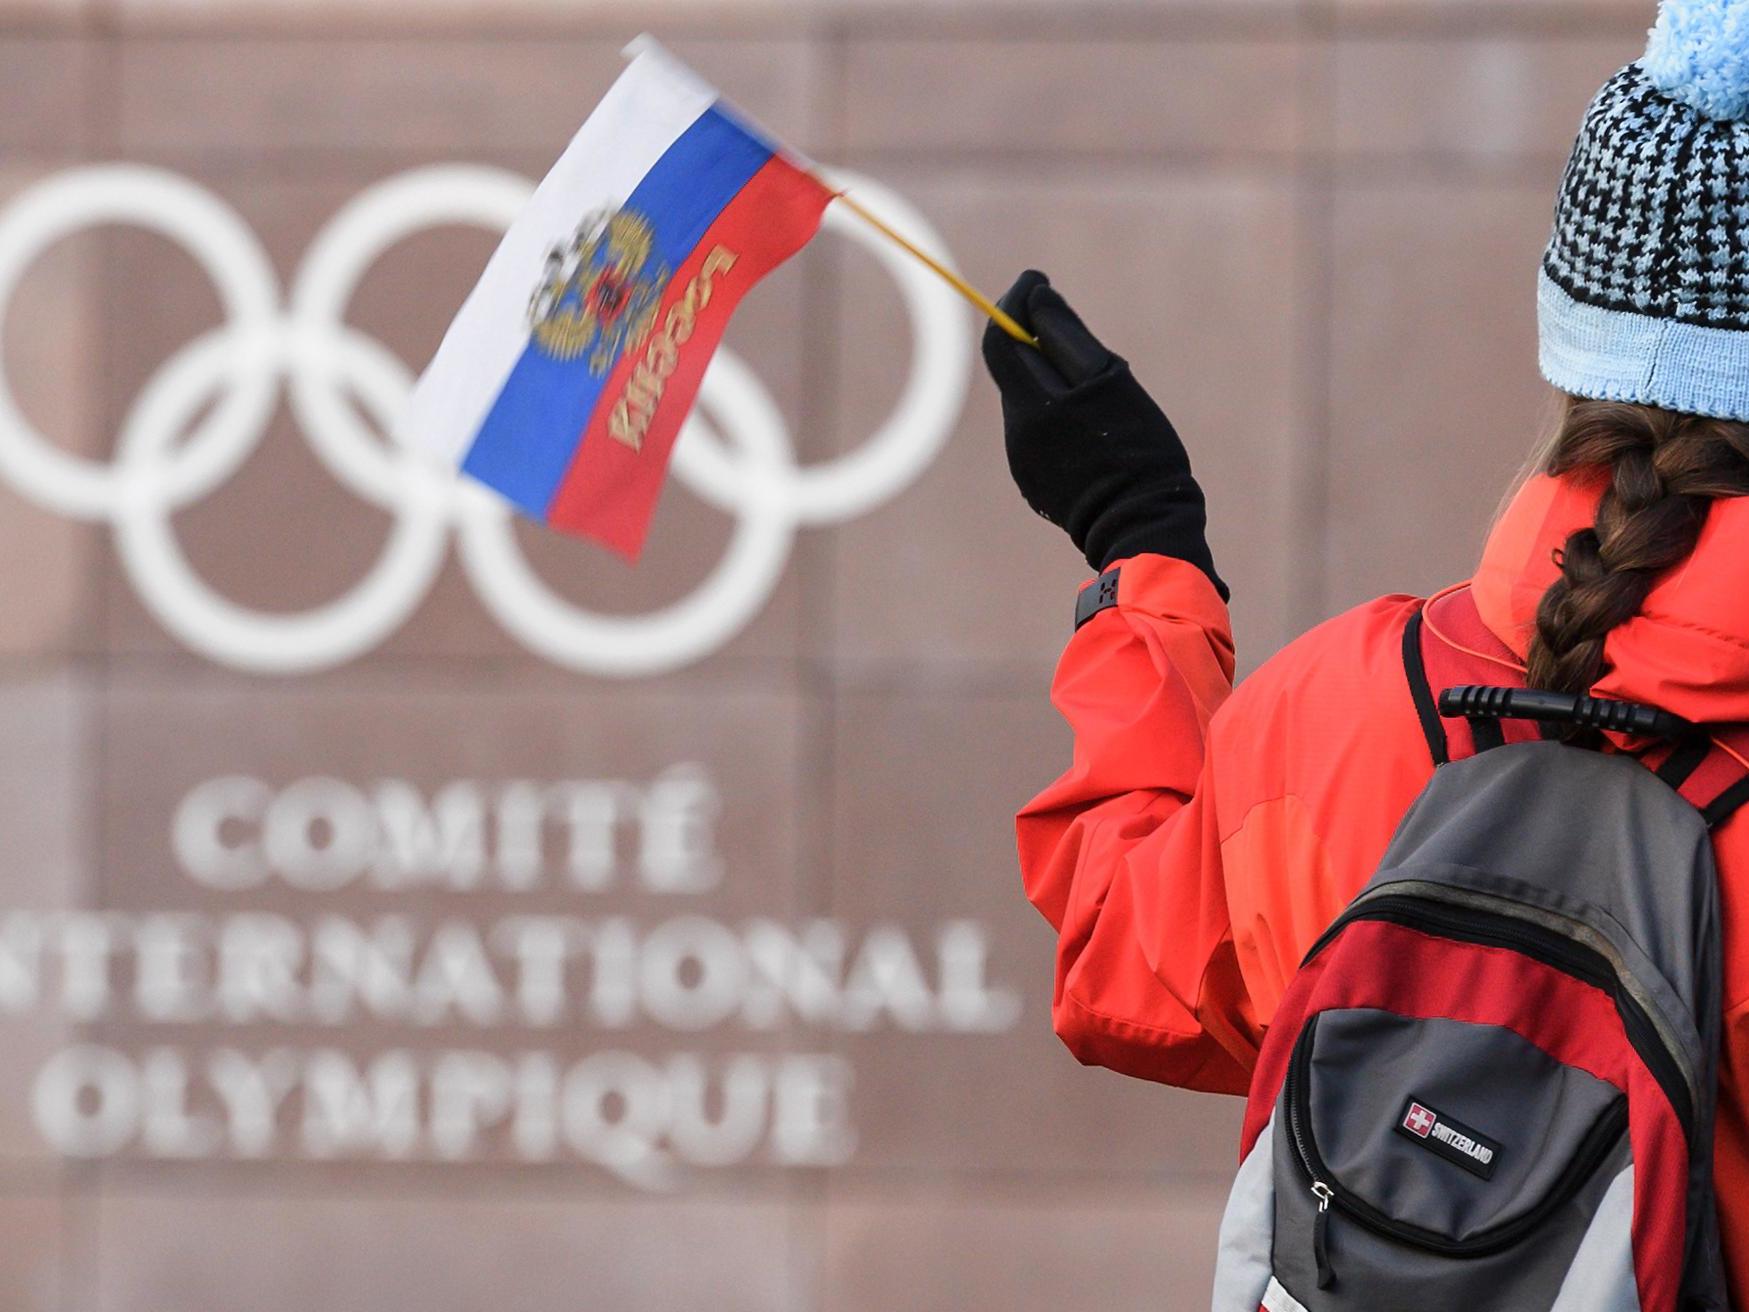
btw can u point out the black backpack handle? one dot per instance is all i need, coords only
(1479, 702)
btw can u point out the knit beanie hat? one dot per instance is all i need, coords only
(1644, 291)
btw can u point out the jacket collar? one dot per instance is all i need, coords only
(1688, 649)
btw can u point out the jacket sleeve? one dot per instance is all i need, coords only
(1122, 854)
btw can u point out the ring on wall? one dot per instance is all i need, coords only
(202, 415)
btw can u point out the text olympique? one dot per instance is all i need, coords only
(639, 1116)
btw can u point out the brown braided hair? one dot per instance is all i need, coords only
(1665, 470)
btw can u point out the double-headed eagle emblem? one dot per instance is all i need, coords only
(599, 293)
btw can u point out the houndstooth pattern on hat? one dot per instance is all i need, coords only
(1654, 211)
(1644, 291)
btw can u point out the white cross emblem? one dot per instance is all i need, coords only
(1419, 1120)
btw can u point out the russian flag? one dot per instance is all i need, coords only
(565, 378)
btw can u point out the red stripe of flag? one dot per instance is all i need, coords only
(609, 493)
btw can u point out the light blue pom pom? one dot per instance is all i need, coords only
(1700, 55)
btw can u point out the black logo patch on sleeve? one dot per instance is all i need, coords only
(1444, 1137)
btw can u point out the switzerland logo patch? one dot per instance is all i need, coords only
(1449, 1138)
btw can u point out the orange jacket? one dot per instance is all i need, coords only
(1205, 835)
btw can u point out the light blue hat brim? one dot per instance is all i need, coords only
(1617, 355)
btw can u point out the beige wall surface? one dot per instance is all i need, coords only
(441, 970)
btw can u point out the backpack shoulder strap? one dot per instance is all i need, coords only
(1446, 645)
(1727, 803)
(1426, 703)
(1719, 785)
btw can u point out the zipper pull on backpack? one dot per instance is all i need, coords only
(1321, 1235)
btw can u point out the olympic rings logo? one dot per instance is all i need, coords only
(202, 415)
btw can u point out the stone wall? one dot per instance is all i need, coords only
(404, 958)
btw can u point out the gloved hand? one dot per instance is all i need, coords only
(1088, 447)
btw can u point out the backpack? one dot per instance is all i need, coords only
(1490, 1085)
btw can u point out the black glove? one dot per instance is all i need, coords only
(1088, 447)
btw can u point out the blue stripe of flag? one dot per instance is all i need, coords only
(529, 437)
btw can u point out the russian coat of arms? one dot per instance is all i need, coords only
(599, 292)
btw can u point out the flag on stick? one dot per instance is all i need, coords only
(565, 378)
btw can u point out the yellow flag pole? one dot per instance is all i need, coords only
(1002, 318)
